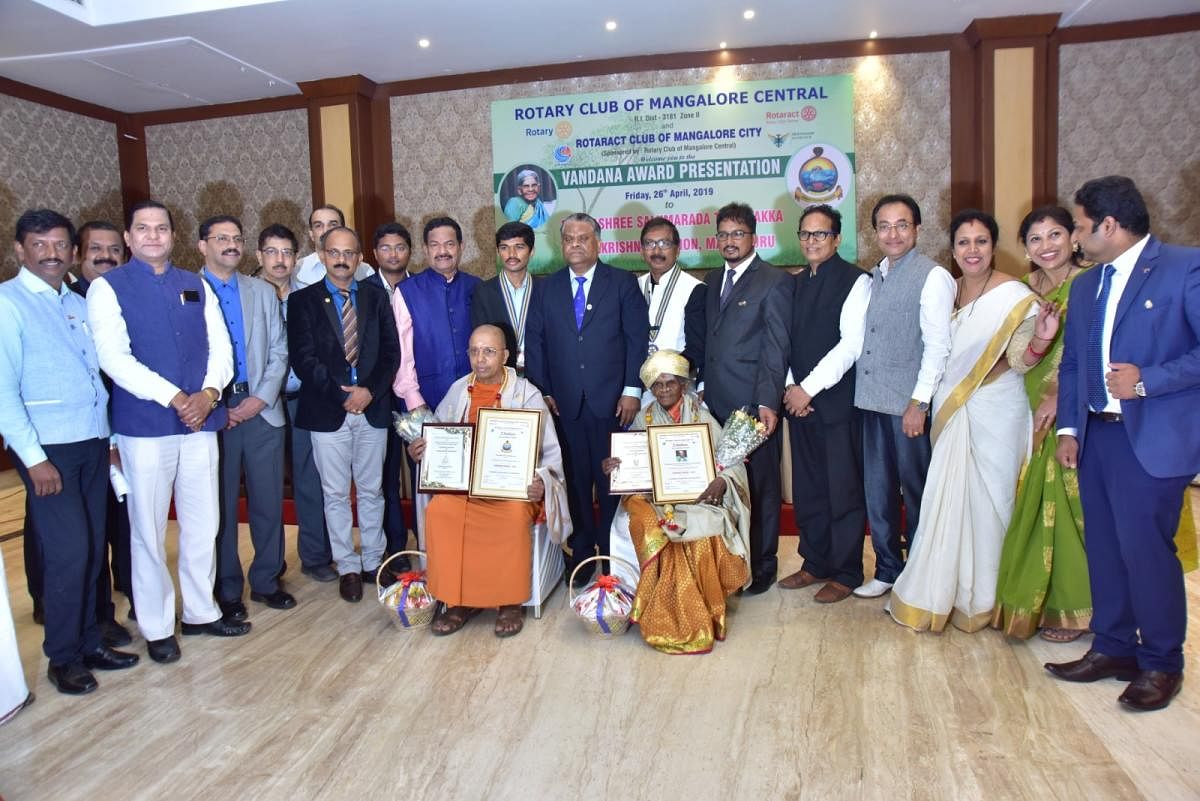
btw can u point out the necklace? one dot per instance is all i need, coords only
(982, 290)
(1045, 276)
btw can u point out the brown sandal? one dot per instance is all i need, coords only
(450, 619)
(510, 620)
(1051, 634)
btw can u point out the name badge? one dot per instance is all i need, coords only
(189, 296)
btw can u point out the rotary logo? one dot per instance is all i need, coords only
(563, 130)
(562, 154)
(808, 113)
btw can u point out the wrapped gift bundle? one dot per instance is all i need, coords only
(408, 602)
(409, 424)
(743, 432)
(605, 606)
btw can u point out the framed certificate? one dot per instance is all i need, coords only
(507, 444)
(681, 462)
(633, 475)
(446, 465)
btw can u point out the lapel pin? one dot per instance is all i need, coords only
(589, 307)
(741, 303)
(1149, 304)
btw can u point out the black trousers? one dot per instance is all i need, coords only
(586, 442)
(69, 542)
(766, 497)
(827, 496)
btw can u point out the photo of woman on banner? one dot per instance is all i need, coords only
(528, 195)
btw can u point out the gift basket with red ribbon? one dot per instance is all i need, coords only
(407, 602)
(605, 606)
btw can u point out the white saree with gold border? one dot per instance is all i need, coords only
(982, 434)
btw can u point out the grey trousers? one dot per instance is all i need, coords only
(352, 453)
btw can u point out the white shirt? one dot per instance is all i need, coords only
(739, 270)
(111, 337)
(852, 324)
(937, 307)
(632, 392)
(671, 332)
(310, 270)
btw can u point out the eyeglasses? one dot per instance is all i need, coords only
(387, 250)
(346, 255)
(816, 236)
(658, 244)
(901, 227)
(485, 352)
(736, 236)
(225, 239)
(61, 245)
(663, 386)
(271, 253)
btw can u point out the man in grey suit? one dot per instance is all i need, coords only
(745, 360)
(252, 441)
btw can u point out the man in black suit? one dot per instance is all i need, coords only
(584, 344)
(748, 314)
(504, 301)
(345, 351)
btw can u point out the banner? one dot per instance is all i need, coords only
(679, 152)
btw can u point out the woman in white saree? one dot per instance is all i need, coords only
(981, 433)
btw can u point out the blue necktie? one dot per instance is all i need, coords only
(580, 302)
(728, 288)
(1097, 396)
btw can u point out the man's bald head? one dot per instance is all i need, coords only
(487, 354)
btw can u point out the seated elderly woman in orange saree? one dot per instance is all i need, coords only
(691, 557)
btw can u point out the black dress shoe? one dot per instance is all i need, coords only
(105, 658)
(322, 573)
(232, 610)
(760, 585)
(1095, 666)
(368, 576)
(164, 650)
(72, 678)
(221, 627)
(583, 578)
(1152, 689)
(39, 613)
(276, 600)
(282, 570)
(113, 634)
(350, 587)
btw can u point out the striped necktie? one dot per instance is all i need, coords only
(349, 328)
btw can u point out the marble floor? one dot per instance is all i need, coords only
(328, 701)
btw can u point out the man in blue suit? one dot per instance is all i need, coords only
(584, 342)
(1129, 418)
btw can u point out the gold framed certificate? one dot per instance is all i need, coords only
(681, 462)
(507, 444)
(446, 465)
(633, 474)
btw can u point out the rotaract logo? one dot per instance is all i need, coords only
(808, 113)
(562, 154)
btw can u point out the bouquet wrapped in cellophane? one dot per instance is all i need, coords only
(409, 424)
(743, 432)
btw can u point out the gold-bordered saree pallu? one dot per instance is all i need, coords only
(981, 438)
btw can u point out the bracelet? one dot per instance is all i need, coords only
(1039, 354)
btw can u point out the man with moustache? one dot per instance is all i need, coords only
(1129, 391)
(54, 420)
(392, 244)
(276, 254)
(676, 299)
(251, 444)
(585, 342)
(905, 347)
(433, 311)
(161, 338)
(310, 269)
(824, 429)
(344, 348)
(504, 300)
(747, 321)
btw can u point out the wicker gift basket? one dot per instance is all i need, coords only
(407, 602)
(604, 607)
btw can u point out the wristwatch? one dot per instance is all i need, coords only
(1139, 389)
(923, 406)
(215, 396)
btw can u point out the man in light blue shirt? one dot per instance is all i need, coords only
(54, 420)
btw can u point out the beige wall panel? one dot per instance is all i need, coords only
(254, 167)
(1133, 108)
(442, 146)
(336, 161)
(54, 159)
(1013, 107)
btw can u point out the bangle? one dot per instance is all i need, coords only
(1039, 354)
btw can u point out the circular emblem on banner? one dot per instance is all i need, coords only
(562, 154)
(818, 174)
(563, 130)
(808, 113)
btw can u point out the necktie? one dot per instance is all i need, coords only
(727, 289)
(580, 302)
(1097, 396)
(349, 328)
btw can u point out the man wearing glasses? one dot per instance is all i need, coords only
(252, 442)
(310, 269)
(748, 314)
(676, 299)
(823, 426)
(905, 347)
(344, 349)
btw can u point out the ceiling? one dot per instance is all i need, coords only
(144, 55)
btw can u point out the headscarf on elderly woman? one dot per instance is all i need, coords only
(685, 573)
(526, 206)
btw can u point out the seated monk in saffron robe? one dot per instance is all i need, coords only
(480, 551)
(692, 556)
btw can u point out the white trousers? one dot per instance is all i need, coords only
(355, 451)
(185, 464)
(13, 691)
